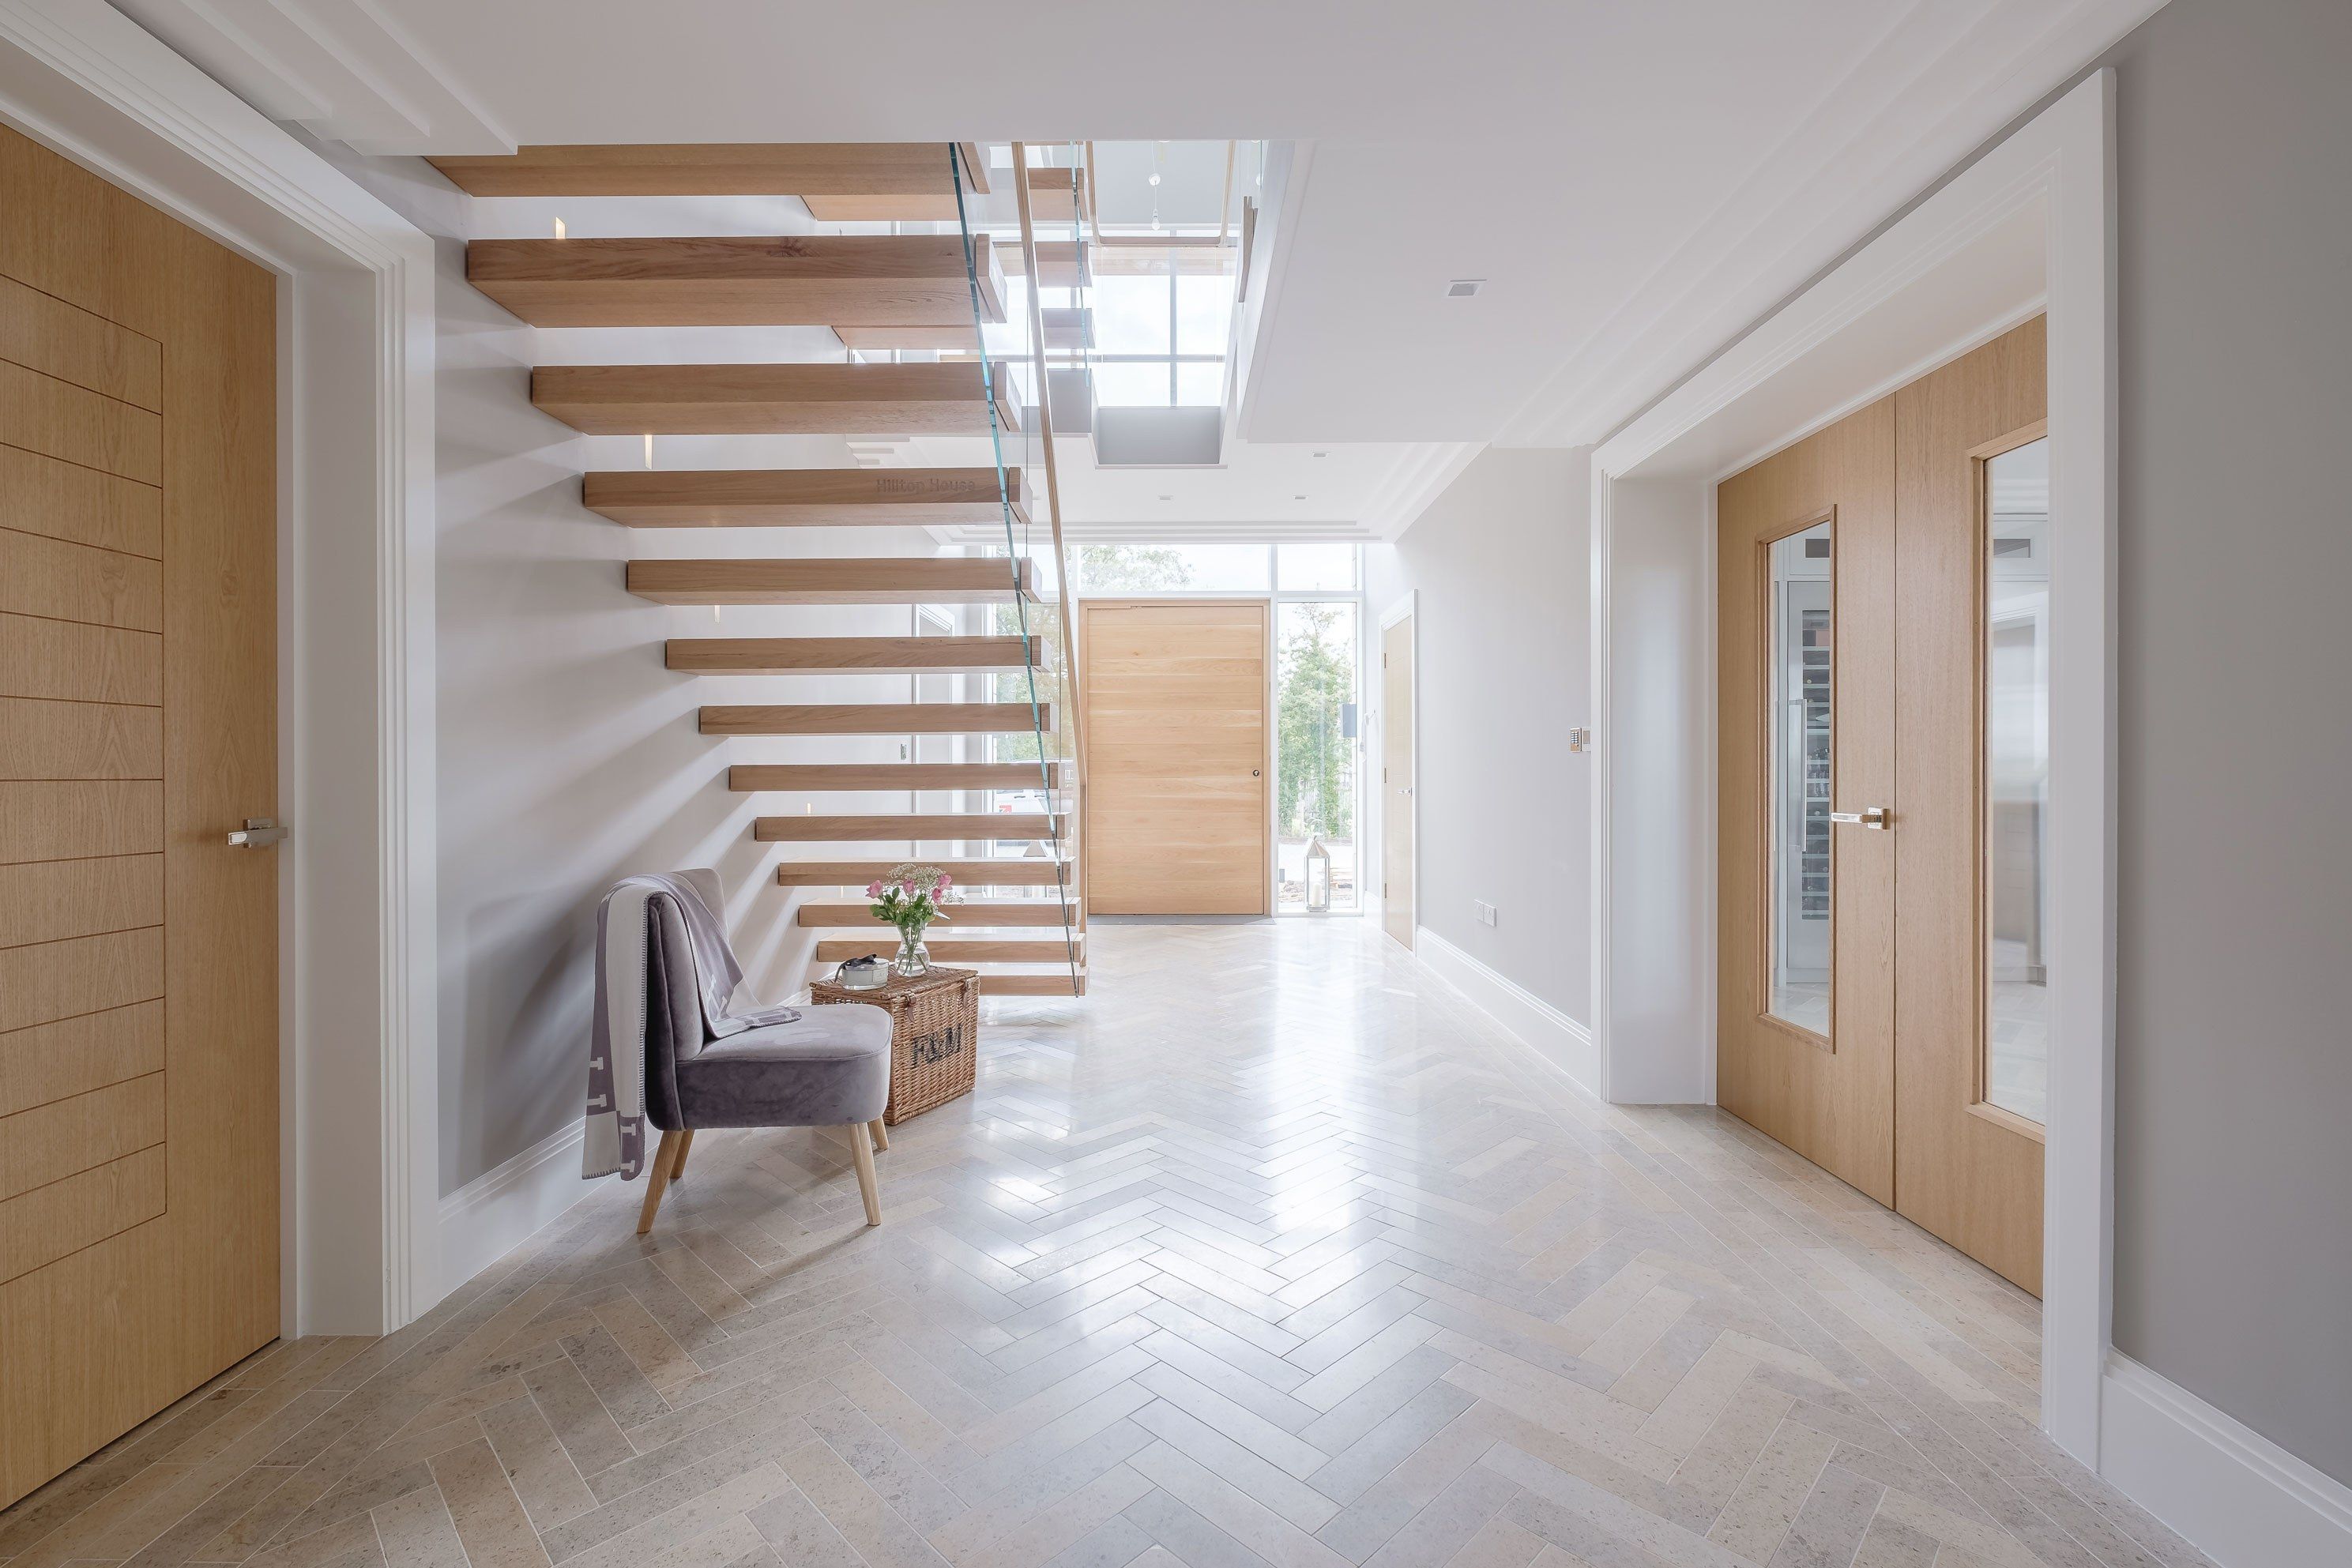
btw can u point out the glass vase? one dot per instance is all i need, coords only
(914, 958)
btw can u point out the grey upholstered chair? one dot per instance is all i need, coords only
(829, 1068)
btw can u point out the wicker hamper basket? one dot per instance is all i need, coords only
(934, 1035)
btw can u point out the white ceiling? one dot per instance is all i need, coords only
(1637, 183)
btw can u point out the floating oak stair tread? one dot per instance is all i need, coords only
(1060, 264)
(739, 280)
(944, 951)
(1064, 984)
(802, 169)
(1067, 331)
(753, 777)
(771, 400)
(801, 497)
(821, 579)
(886, 827)
(851, 655)
(876, 718)
(1050, 200)
(1029, 871)
(972, 912)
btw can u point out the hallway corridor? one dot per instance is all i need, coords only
(1269, 1250)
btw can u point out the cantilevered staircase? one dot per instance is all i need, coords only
(882, 294)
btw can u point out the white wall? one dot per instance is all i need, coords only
(1659, 752)
(1498, 563)
(569, 755)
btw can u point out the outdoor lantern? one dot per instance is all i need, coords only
(1318, 877)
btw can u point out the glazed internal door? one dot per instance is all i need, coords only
(1805, 988)
(1971, 749)
(1396, 780)
(1177, 801)
(1883, 636)
(139, 1196)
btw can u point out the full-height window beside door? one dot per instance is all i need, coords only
(1315, 735)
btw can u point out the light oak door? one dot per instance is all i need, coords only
(1971, 1048)
(139, 1196)
(1396, 780)
(1805, 988)
(1177, 761)
(1883, 667)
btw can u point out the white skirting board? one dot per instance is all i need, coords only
(492, 1215)
(2238, 1497)
(1541, 1027)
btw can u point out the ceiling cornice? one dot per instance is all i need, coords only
(340, 69)
(1925, 107)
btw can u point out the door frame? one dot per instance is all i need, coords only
(2028, 227)
(1410, 605)
(1267, 874)
(360, 1238)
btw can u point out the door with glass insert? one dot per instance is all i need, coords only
(1972, 731)
(1883, 830)
(1804, 994)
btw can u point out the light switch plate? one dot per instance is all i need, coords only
(1485, 911)
(1579, 739)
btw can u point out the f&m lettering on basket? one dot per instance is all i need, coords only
(934, 1035)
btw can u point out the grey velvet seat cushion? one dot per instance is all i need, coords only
(828, 1068)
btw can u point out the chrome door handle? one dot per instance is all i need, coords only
(258, 833)
(1868, 817)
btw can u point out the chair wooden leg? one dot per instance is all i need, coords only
(658, 1177)
(862, 1149)
(881, 1136)
(677, 1163)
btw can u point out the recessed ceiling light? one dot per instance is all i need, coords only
(1322, 454)
(1298, 498)
(1167, 497)
(1464, 287)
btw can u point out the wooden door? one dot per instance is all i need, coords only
(139, 1196)
(1967, 1168)
(1879, 841)
(1177, 798)
(1396, 780)
(1805, 998)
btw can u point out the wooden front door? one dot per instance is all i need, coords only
(139, 1191)
(1883, 667)
(1177, 792)
(1396, 780)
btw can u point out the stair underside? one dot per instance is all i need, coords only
(876, 718)
(819, 580)
(771, 400)
(944, 951)
(975, 912)
(733, 280)
(891, 827)
(800, 169)
(1050, 201)
(803, 497)
(1030, 871)
(753, 777)
(851, 655)
(1067, 331)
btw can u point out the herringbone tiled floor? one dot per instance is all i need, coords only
(1268, 1251)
